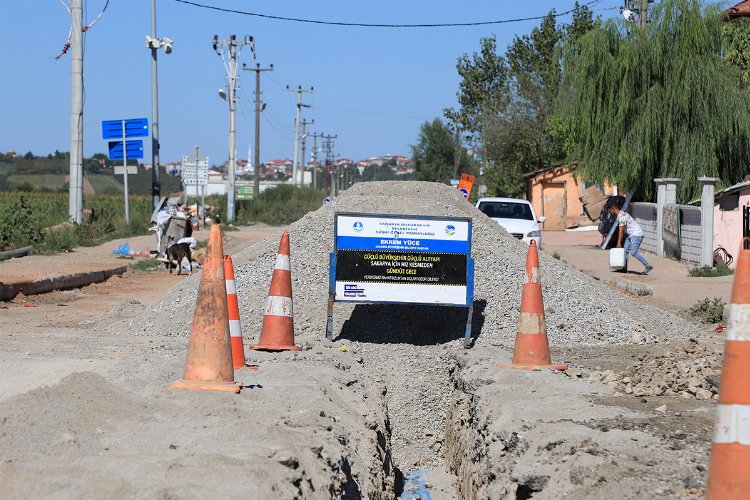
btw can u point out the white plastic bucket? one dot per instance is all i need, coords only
(617, 258)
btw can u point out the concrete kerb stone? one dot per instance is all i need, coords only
(633, 287)
(8, 291)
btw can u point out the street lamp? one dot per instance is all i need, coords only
(154, 43)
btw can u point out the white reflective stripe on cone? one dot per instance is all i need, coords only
(234, 328)
(279, 306)
(282, 262)
(732, 424)
(231, 289)
(738, 326)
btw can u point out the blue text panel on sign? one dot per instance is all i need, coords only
(135, 150)
(135, 127)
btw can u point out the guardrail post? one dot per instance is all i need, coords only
(666, 192)
(707, 220)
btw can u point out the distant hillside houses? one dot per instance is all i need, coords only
(282, 167)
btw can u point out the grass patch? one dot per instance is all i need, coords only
(556, 255)
(710, 272)
(146, 264)
(277, 206)
(24, 217)
(709, 310)
(52, 182)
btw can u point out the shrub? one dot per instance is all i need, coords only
(18, 225)
(710, 272)
(709, 310)
(280, 205)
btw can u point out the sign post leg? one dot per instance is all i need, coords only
(329, 320)
(125, 175)
(467, 337)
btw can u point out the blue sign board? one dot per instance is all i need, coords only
(135, 150)
(401, 259)
(135, 127)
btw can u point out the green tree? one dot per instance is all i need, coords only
(655, 102)
(506, 102)
(378, 173)
(483, 89)
(435, 153)
(737, 47)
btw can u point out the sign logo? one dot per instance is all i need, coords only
(450, 230)
(358, 226)
(353, 291)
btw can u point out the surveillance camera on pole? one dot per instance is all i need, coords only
(160, 43)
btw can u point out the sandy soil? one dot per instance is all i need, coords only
(85, 411)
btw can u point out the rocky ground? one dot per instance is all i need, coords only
(395, 392)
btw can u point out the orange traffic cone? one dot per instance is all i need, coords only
(277, 333)
(729, 469)
(235, 329)
(531, 350)
(208, 365)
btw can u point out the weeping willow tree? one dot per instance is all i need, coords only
(638, 104)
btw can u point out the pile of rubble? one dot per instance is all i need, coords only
(689, 372)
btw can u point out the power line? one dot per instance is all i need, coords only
(369, 25)
(364, 112)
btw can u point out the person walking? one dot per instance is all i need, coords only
(626, 223)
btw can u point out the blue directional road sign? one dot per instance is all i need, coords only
(135, 127)
(135, 150)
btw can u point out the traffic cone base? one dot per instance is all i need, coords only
(193, 385)
(275, 335)
(534, 353)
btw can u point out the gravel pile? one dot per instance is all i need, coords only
(690, 372)
(409, 346)
(580, 310)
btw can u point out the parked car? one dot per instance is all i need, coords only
(516, 216)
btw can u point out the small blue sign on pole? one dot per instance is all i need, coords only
(135, 127)
(135, 150)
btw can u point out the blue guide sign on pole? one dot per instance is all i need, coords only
(134, 127)
(135, 150)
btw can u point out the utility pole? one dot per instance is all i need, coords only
(299, 90)
(315, 158)
(642, 14)
(328, 149)
(636, 10)
(232, 44)
(75, 186)
(304, 142)
(154, 43)
(258, 70)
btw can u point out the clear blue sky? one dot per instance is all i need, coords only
(374, 87)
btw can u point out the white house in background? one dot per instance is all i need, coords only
(216, 185)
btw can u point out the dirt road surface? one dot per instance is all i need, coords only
(85, 408)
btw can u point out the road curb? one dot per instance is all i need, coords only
(8, 291)
(633, 287)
